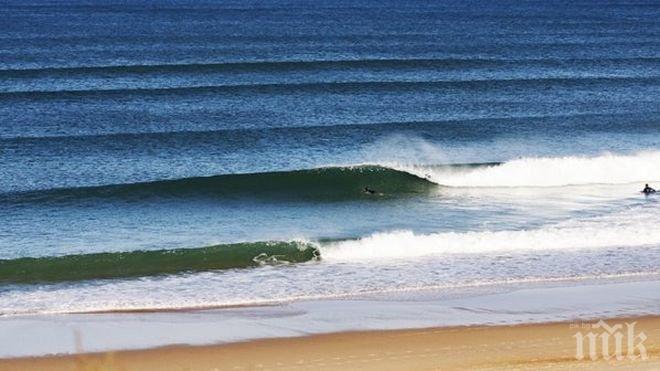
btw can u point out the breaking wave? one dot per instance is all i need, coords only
(549, 171)
(389, 180)
(628, 228)
(624, 229)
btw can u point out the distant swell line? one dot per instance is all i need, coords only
(335, 87)
(252, 66)
(374, 124)
(256, 66)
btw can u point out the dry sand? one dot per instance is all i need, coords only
(523, 347)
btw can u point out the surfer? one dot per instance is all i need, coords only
(648, 190)
(369, 191)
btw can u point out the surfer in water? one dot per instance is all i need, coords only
(369, 191)
(648, 190)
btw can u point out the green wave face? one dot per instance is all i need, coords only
(150, 263)
(322, 184)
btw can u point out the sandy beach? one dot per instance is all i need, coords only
(536, 346)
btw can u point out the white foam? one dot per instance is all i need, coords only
(628, 228)
(550, 171)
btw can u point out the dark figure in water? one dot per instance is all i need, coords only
(648, 190)
(369, 191)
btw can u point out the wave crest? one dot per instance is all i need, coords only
(549, 171)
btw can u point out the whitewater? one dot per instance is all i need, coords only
(629, 228)
(609, 168)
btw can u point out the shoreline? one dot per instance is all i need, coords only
(548, 282)
(61, 334)
(524, 346)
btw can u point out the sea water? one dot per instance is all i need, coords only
(160, 155)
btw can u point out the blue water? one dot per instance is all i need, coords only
(98, 93)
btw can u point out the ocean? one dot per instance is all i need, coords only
(160, 155)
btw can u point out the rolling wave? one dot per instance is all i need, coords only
(335, 87)
(387, 181)
(329, 183)
(150, 263)
(628, 228)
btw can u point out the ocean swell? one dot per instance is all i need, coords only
(320, 184)
(149, 263)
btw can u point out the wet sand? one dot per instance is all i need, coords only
(530, 346)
